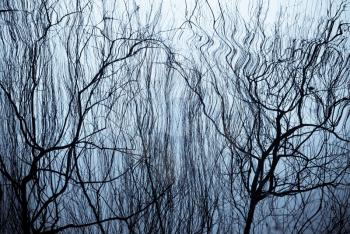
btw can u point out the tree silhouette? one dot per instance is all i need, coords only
(114, 120)
(282, 105)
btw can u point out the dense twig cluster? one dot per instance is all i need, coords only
(109, 126)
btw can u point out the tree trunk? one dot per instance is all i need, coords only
(25, 224)
(249, 219)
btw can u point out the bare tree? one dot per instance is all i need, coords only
(64, 84)
(282, 106)
(115, 121)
